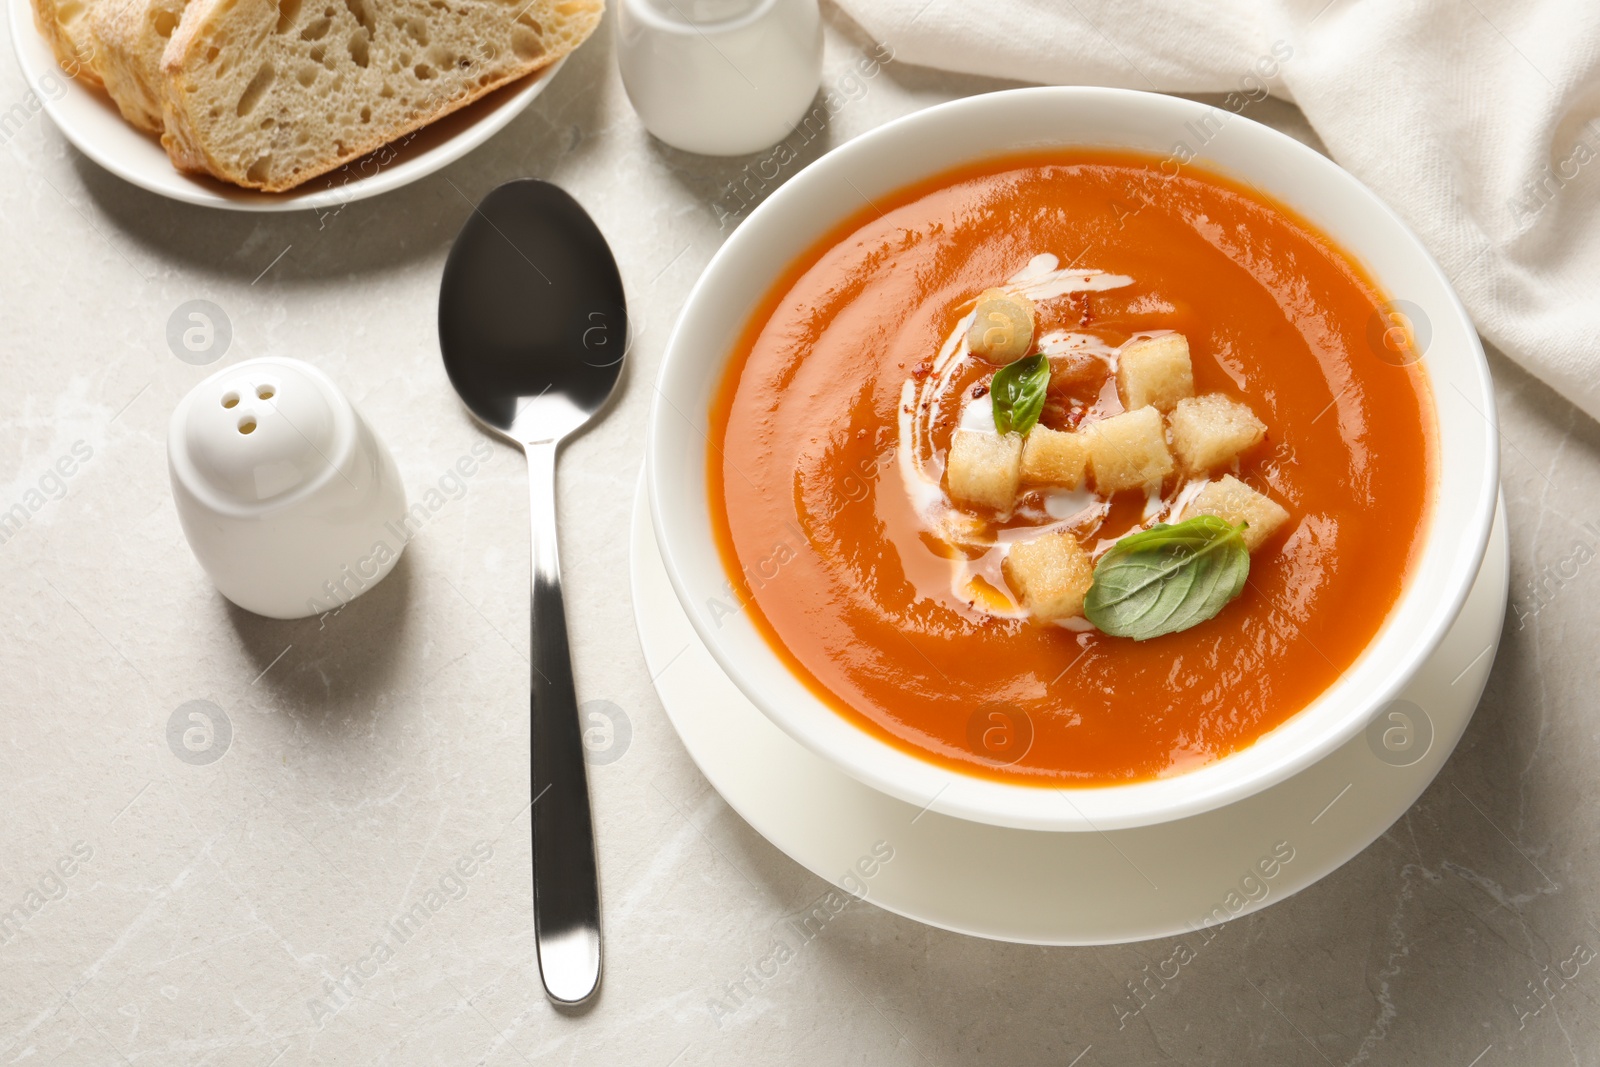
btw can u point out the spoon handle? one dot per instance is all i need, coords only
(566, 891)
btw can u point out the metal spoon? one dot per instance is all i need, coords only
(533, 327)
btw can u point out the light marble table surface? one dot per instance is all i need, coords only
(212, 906)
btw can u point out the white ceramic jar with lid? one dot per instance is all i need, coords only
(720, 77)
(285, 494)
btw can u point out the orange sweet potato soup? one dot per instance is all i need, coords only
(946, 417)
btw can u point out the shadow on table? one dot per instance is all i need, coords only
(343, 659)
(730, 187)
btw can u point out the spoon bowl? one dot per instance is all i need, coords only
(533, 327)
(533, 322)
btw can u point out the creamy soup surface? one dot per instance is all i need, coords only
(891, 600)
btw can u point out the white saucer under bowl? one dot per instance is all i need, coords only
(1064, 888)
(89, 119)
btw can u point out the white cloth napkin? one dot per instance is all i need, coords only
(1479, 123)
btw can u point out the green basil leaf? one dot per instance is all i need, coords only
(1018, 390)
(1168, 578)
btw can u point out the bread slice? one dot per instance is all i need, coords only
(270, 93)
(65, 24)
(129, 39)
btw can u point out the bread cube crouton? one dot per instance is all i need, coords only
(1002, 327)
(982, 468)
(1050, 575)
(1051, 457)
(1155, 372)
(1208, 431)
(1128, 450)
(1236, 502)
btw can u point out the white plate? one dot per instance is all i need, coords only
(92, 123)
(1060, 888)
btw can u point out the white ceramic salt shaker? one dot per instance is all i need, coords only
(720, 77)
(288, 499)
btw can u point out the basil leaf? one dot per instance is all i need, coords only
(1018, 390)
(1168, 578)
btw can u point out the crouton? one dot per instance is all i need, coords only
(1208, 431)
(1051, 457)
(1236, 502)
(1126, 451)
(1050, 575)
(1155, 372)
(982, 468)
(1002, 327)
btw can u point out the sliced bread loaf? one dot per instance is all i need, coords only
(65, 24)
(129, 39)
(270, 93)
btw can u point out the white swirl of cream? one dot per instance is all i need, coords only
(979, 580)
